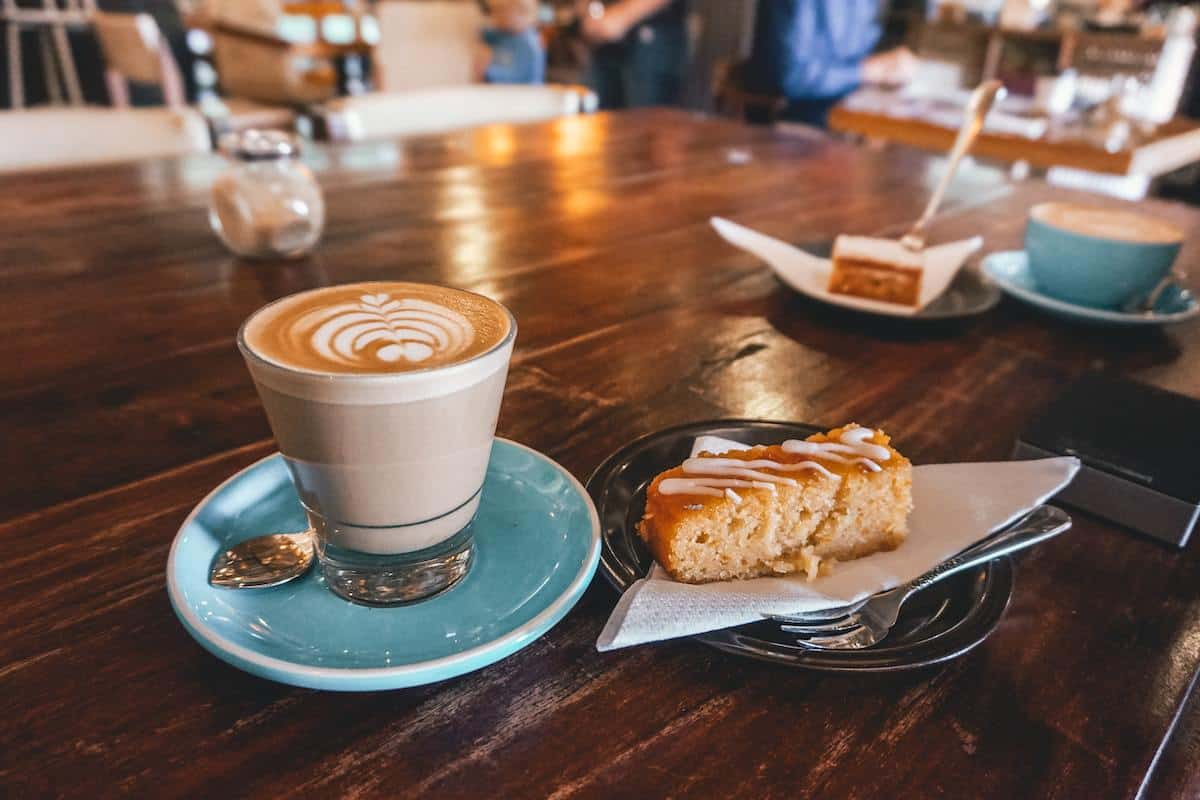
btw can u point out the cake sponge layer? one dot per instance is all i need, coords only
(804, 521)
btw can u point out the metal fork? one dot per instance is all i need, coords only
(873, 619)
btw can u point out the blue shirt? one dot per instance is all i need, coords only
(811, 49)
(516, 57)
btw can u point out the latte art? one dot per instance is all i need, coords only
(377, 328)
(1106, 223)
(382, 328)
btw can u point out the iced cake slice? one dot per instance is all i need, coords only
(877, 269)
(798, 506)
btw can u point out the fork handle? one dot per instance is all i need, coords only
(1041, 524)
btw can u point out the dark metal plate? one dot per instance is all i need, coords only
(943, 622)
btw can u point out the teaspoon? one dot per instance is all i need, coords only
(264, 561)
(982, 99)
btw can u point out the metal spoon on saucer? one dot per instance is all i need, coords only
(982, 99)
(264, 561)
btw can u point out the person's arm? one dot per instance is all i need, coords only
(481, 60)
(619, 18)
(517, 59)
(813, 48)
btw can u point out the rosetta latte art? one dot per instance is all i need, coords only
(380, 328)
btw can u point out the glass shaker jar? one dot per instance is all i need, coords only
(266, 204)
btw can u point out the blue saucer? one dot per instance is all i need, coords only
(1010, 271)
(537, 542)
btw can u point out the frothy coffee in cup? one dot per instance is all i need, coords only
(384, 399)
(370, 328)
(1106, 223)
(1098, 257)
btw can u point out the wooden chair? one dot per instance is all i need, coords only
(383, 115)
(426, 43)
(135, 50)
(61, 137)
(267, 70)
(259, 54)
(50, 20)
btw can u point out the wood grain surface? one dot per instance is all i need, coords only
(123, 401)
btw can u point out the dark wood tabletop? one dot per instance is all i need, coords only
(123, 401)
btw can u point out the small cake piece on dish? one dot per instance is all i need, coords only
(876, 269)
(798, 506)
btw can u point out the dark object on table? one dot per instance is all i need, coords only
(1137, 444)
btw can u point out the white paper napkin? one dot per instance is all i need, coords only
(809, 274)
(954, 506)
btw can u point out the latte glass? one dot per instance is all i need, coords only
(389, 465)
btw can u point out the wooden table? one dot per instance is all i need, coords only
(1172, 145)
(123, 400)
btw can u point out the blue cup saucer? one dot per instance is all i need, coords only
(1010, 271)
(537, 542)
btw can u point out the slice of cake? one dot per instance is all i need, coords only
(877, 269)
(771, 510)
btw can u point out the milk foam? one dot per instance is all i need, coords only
(381, 328)
(1106, 223)
(376, 328)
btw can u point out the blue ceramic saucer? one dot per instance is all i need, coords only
(537, 541)
(1010, 271)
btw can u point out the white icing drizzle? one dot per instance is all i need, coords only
(713, 487)
(399, 328)
(852, 442)
(741, 468)
(718, 477)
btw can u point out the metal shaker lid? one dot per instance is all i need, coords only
(256, 145)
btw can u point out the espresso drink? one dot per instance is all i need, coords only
(384, 399)
(1097, 257)
(1104, 223)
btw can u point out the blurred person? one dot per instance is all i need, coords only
(511, 50)
(638, 50)
(815, 52)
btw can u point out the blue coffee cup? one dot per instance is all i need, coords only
(1098, 257)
